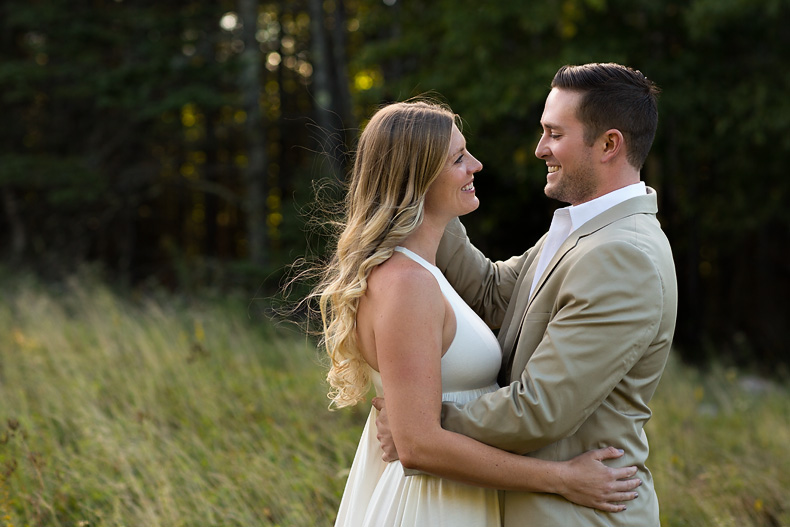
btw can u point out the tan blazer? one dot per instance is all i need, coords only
(581, 358)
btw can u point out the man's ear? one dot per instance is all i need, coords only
(613, 144)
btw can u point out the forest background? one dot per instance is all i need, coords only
(177, 143)
(158, 168)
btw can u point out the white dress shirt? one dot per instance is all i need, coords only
(568, 219)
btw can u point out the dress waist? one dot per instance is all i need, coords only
(464, 396)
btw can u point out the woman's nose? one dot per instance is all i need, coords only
(477, 167)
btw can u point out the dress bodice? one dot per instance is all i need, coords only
(471, 363)
(379, 494)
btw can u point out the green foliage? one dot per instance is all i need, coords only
(124, 137)
(64, 182)
(89, 102)
(719, 158)
(150, 409)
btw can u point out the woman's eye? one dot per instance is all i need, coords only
(460, 158)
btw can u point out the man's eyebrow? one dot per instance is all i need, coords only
(551, 126)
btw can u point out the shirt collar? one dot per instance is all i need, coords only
(581, 214)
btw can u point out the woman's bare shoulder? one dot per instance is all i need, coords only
(401, 276)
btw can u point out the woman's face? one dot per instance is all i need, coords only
(452, 194)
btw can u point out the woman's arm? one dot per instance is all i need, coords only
(410, 316)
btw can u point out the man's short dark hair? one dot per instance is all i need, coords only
(614, 96)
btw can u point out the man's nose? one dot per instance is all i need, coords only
(541, 150)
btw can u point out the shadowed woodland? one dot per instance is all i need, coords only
(177, 143)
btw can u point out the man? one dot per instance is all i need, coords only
(588, 314)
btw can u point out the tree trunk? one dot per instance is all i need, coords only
(343, 93)
(255, 172)
(18, 237)
(322, 86)
(211, 174)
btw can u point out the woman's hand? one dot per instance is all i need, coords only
(587, 481)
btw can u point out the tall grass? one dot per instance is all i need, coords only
(162, 411)
(159, 412)
(720, 449)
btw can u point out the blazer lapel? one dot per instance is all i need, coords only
(522, 295)
(566, 246)
(640, 205)
(523, 300)
(511, 325)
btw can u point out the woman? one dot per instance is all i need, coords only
(390, 317)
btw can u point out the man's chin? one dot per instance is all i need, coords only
(553, 193)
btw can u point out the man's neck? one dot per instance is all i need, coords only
(625, 180)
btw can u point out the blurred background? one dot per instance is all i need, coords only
(178, 144)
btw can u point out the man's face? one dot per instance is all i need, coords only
(571, 176)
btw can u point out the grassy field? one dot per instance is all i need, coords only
(161, 411)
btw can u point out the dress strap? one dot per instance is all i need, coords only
(416, 257)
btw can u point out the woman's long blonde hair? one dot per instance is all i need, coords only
(400, 153)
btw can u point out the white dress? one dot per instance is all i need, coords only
(378, 494)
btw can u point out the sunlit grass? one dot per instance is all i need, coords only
(160, 411)
(719, 448)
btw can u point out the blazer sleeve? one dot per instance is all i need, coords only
(607, 313)
(485, 285)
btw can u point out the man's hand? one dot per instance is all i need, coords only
(384, 434)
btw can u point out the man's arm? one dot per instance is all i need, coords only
(485, 285)
(405, 295)
(607, 313)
